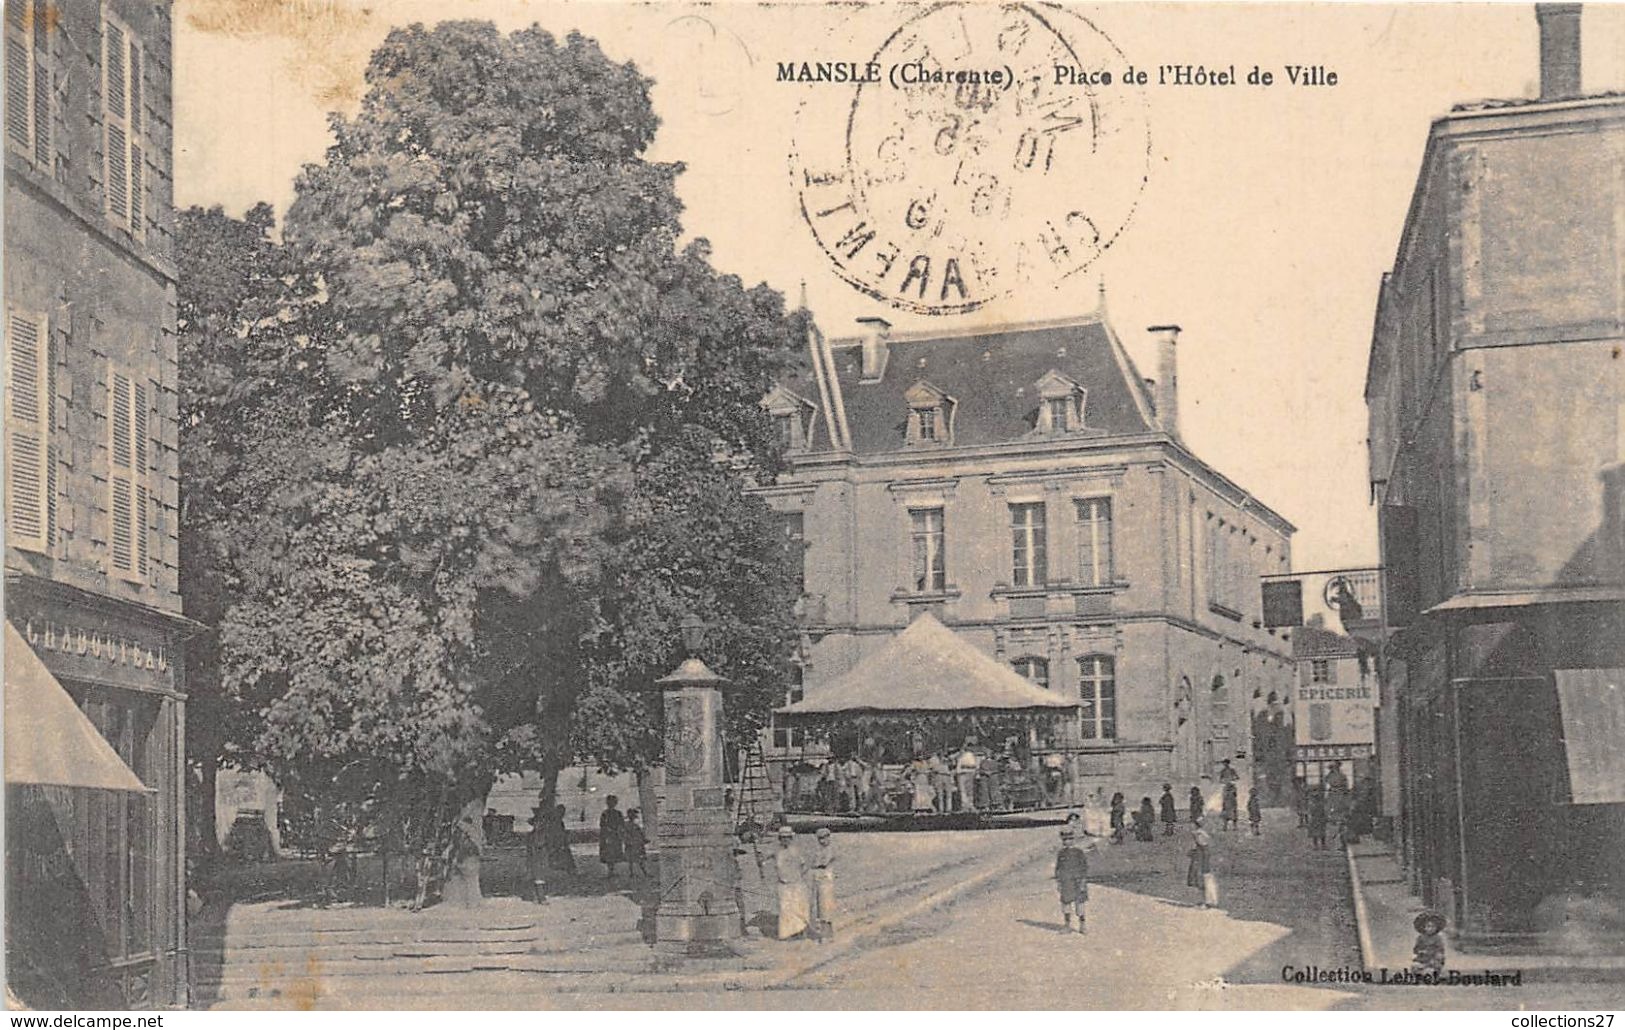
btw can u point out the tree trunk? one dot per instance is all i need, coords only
(462, 887)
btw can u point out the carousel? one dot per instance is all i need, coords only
(927, 728)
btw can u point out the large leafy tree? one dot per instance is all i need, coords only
(234, 286)
(507, 445)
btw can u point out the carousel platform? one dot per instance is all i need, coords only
(893, 822)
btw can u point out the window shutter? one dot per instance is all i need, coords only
(19, 75)
(137, 153)
(122, 506)
(50, 438)
(42, 85)
(138, 518)
(27, 383)
(115, 98)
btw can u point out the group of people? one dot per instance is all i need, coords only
(621, 839)
(1146, 816)
(802, 885)
(1328, 805)
(970, 779)
(1072, 860)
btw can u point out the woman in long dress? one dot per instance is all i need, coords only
(823, 882)
(919, 780)
(1201, 867)
(795, 901)
(1119, 818)
(611, 846)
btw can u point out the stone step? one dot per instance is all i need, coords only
(247, 940)
(253, 964)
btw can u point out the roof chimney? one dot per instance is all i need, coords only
(1559, 50)
(876, 332)
(1166, 391)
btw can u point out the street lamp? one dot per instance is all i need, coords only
(698, 913)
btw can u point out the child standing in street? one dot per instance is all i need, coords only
(1255, 810)
(1429, 950)
(1072, 879)
(637, 843)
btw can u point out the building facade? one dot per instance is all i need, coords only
(95, 912)
(1333, 705)
(1497, 437)
(1028, 488)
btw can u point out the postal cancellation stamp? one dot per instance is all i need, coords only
(964, 167)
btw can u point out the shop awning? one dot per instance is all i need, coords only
(928, 668)
(1464, 603)
(1593, 705)
(48, 739)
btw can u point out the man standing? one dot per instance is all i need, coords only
(965, 774)
(1337, 797)
(852, 775)
(942, 784)
(1170, 810)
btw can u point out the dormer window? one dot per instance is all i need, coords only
(792, 416)
(930, 415)
(1060, 412)
(1061, 402)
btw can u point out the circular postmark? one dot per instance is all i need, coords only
(981, 153)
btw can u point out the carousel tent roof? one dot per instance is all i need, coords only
(927, 668)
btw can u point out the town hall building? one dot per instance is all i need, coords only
(1027, 487)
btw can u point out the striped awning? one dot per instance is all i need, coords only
(49, 741)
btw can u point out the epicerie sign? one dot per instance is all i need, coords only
(1335, 713)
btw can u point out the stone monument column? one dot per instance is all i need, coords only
(698, 914)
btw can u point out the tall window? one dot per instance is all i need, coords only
(1220, 706)
(927, 423)
(1035, 669)
(1097, 690)
(122, 146)
(795, 546)
(1095, 542)
(1322, 670)
(29, 394)
(784, 427)
(1029, 561)
(930, 563)
(128, 481)
(28, 78)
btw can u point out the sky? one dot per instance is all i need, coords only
(1263, 229)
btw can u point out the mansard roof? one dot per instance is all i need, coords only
(993, 376)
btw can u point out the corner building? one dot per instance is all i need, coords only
(1496, 398)
(95, 875)
(1027, 487)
